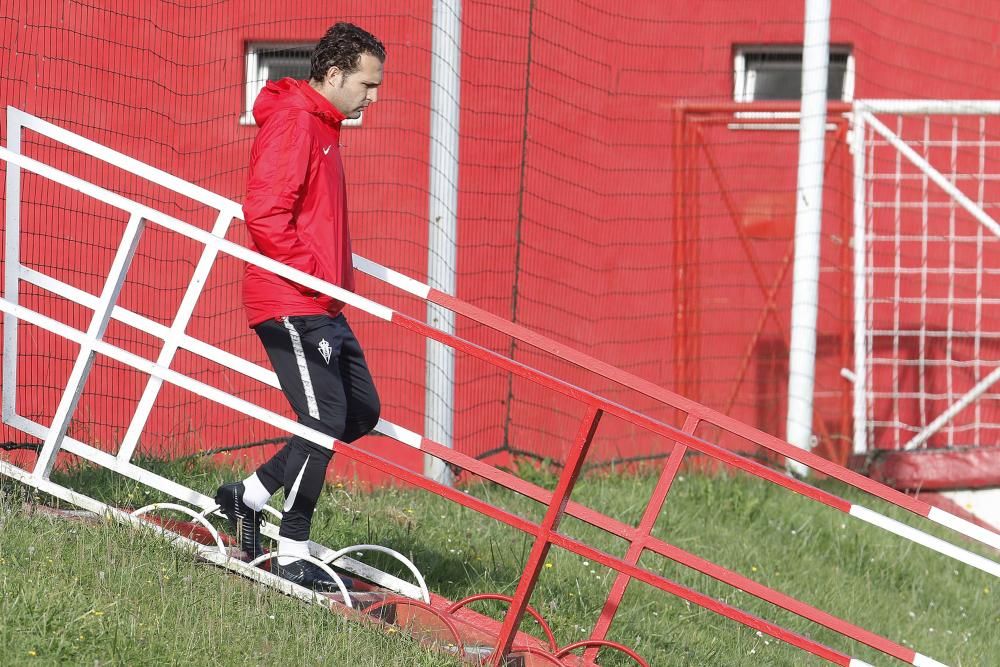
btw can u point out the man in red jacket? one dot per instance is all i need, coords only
(296, 212)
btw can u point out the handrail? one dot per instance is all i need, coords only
(545, 533)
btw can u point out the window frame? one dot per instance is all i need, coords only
(743, 79)
(784, 120)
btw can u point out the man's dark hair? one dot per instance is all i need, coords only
(341, 47)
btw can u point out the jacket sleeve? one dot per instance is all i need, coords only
(279, 173)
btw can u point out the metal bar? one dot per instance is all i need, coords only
(692, 242)
(12, 267)
(575, 546)
(154, 328)
(766, 106)
(949, 341)
(550, 523)
(808, 231)
(924, 228)
(442, 243)
(85, 359)
(858, 132)
(644, 530)
(660, 428)
(686, 405)
(636, 418)
(680, 259)
(655, 545)
(174, 339)
(963, 402)
(897, 224)
(122, 161)
(196, 234)
(977, 351)
(846, 285)
(932, 107)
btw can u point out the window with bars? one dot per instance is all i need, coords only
(774, 72)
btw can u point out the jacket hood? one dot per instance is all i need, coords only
(291, 93)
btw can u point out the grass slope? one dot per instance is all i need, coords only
(99, 593)
(75, 594)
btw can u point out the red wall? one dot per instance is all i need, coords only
(567, 191)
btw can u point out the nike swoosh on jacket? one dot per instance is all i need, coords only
(296, 203)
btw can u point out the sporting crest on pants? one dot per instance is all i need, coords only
(325, 350)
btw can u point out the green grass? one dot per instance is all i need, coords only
(857, 572)
(100, 593)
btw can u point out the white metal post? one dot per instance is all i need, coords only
(860, 241)
(175, 337)
(808, 226)
(85, 359)
(12, 266)
(446, 58)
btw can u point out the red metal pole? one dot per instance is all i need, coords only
(540, 549)
(627, 532)
(680, 297)
(645, 528)
(693, 256)
(671, 432)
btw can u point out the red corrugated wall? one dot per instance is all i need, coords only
(567, 186)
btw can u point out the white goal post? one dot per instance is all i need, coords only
(926, 274)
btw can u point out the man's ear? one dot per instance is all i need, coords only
(334, 76)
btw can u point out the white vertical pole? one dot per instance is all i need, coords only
(860, 240)
(446, 59)
(12, 266)
(808, 224)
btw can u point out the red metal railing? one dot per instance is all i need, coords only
(546, 532)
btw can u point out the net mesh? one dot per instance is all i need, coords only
(596, 204)
(932, 334)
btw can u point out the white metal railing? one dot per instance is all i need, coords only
(54, 436)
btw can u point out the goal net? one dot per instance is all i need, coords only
(927, 298)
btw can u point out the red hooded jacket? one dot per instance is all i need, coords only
(296, 204)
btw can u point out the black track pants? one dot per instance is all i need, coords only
(322, 371)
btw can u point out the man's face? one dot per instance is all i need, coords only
(352, 93)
